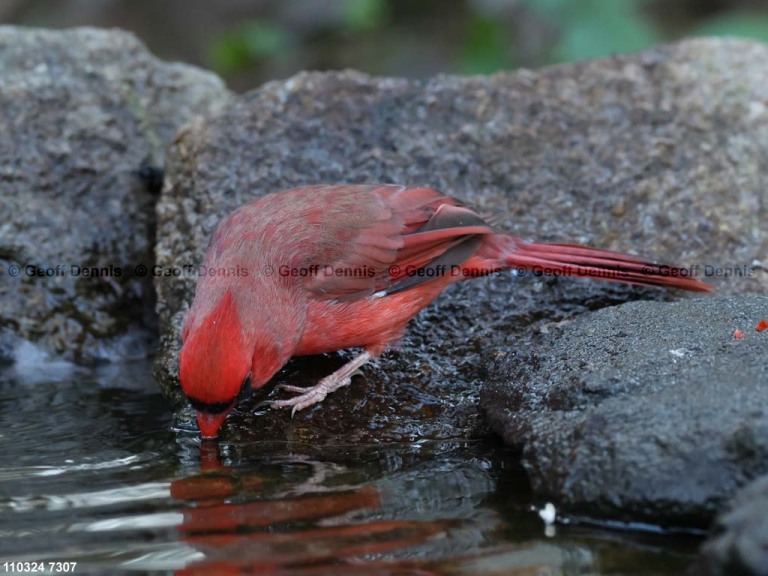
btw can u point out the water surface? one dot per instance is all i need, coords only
(95, 471)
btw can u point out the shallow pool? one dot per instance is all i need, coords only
(95, 472)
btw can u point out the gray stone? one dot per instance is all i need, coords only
(85, 116)
(661, 153)
(645, 411)
(739, 540)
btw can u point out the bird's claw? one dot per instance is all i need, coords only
(290, 388)
(306, 397)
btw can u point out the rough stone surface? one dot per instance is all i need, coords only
(661, 153)
(739, 540)
(646, 410)
(85, 116)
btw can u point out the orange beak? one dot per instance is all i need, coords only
(209, 424)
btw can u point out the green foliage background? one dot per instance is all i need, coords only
(481, 37)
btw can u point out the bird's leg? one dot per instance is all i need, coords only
(317, 393)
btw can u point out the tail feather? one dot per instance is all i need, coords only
(583, 261)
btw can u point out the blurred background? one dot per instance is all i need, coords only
(251, 41)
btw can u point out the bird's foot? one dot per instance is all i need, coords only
(306, 397)
(313, 394)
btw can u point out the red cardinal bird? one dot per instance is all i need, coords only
(322, 268)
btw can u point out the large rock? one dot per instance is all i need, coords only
(85, 116)
(660, 153)
(739, 540)
(645, 411)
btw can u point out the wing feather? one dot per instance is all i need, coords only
(390, 232)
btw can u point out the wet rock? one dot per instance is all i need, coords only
(85, 116)
(739, 540)
(659, 153)
(645, 411)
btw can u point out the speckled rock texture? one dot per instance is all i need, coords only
(738, 543)
(85, 116)
(661, 153)
(645, 411)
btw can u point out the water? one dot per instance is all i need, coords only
(94, 472)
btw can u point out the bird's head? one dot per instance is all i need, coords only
(215, 364)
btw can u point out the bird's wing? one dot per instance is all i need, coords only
(374, 238)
